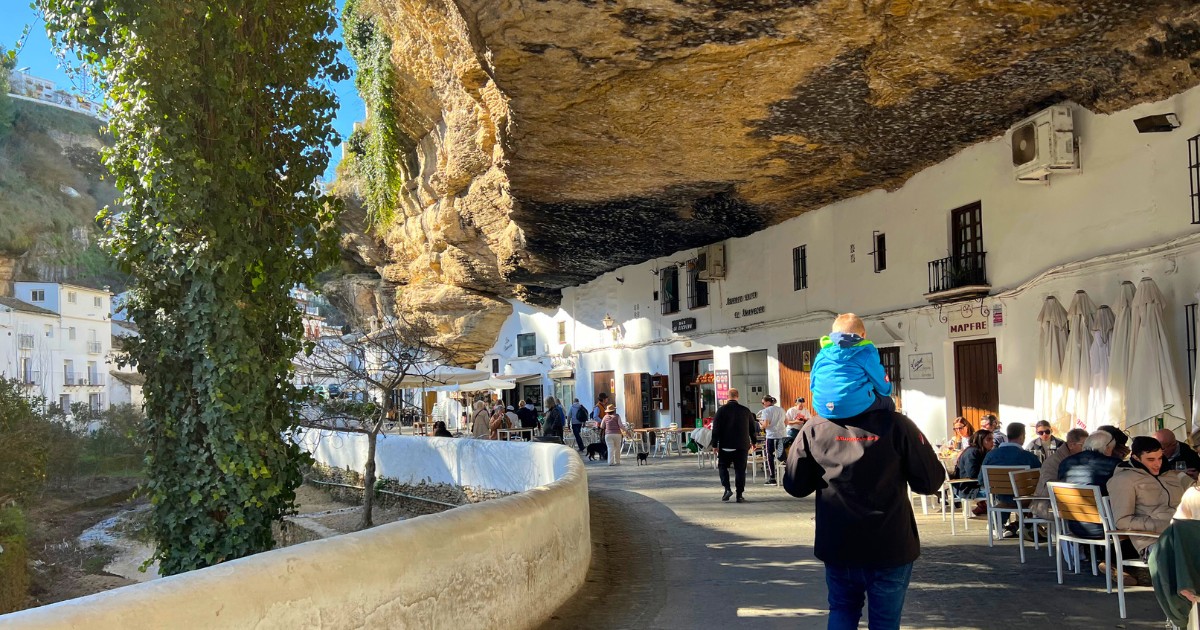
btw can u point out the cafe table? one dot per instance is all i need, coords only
(507, 434)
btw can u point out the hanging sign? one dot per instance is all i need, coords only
(966, 322)
(920, 366)
(997, 315)
(721, 382)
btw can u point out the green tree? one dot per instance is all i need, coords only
(221, 114)
(24, 440)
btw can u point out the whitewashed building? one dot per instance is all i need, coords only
(950, 273)
(62, 345)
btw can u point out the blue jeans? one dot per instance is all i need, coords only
(883, 589)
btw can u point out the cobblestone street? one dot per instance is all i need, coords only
(669, 554)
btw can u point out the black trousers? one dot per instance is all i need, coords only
(578, 438)
(774, 451)
(738, 459)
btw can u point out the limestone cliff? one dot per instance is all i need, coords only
(548, 141)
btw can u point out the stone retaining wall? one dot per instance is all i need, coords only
(503, 563)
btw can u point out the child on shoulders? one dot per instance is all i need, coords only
(847, 377)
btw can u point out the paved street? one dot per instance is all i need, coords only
(669, 554)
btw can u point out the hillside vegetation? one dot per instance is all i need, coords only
(51, 188)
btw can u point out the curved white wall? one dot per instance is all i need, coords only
(508, 562)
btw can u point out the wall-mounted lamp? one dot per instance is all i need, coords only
(608, 321)
(1157, 123)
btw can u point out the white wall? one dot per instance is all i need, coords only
(1132, 193)
(503, 563)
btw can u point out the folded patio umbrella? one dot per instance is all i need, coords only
(1077, 361)
(1047, 385)
(1153, 388)
(1118, 358)
(1102, 332)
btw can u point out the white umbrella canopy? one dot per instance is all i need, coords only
(1047, 384)
(1152, 388)
(1113, 412)
(1077, 362)
(432, 376)
(488, 384)
(1102, 330)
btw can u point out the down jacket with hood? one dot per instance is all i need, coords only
(1143, 502)
(846, 375)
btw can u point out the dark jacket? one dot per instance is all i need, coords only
(734, 427)
(1175, 565)
(861, 469)
(1183, 453)
(969, 466)
(554, 422)
(528, 418)
(1088, 467)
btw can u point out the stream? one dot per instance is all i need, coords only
(117, 533)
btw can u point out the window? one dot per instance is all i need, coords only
(966, 225)
(562, 332)
(527, 345)
(96, 402)
(800, 267)
(697, 289)
(495, 366)
(71, 297)
(98, 302)
(880, 252)
(37, 295)
(68, 372)
(49, 330)
(71, 333)
(64, 401)
(1194, 175)
(668, 278)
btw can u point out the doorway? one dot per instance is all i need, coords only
(564, 392)
(890, 358)
(697, 389)
(976, 387)
(795, 371)
(604, 383)
(748, 374)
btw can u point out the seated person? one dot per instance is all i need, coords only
(847, 376)
(1009, 453)
(962, 434)
(1120, 441)
(1045, 443)
(1177, 455)
(440, 430)
(1144, 496)
(1094, 466)
(1049, 470)
(970, 464)
(1173, 561)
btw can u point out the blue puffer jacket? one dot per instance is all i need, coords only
(845, 376)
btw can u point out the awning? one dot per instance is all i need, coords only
(559, 374)
(517, 378)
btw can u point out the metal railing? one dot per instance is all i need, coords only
(953, 272)
(93, 347)
(31, 379)
(25, 341)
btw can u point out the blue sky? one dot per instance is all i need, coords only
(38, 56)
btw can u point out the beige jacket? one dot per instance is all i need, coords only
(1141, 503)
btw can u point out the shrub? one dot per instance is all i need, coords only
(14, 571)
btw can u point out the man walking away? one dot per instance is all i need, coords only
(578, 416)
(734, 434)
(866, 533)
(772, 419)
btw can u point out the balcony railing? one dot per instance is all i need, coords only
(93, 347)
(71, 379)
(31, 379)
(25, 341)
(957, 272)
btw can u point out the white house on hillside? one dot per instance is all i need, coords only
(58, 341)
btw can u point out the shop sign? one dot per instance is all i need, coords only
(683, 325)
(967, 322)
(920, 366)
(721, 383)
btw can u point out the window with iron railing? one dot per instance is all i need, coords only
(93, 347)
(668, 278)
(25, 341)
(800, 268)
(953, 272)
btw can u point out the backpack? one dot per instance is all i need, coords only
(581, 415)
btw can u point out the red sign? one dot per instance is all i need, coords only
(721, 381)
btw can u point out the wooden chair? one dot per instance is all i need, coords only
(1024, 483)
(996, 482)
(1114, 535)
(1080, 503)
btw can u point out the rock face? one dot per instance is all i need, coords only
(555, 140)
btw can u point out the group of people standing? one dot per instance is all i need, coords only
(486, 420)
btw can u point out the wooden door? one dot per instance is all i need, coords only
(890, 358)
(602, 382)
(795, 369)
(633, 401)
(976, 388)
(966, 230)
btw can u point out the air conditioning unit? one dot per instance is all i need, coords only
(1043, 144)
(714, 262)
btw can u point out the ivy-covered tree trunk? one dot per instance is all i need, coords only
(221, 117)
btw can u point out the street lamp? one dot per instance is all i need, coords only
(608, 321)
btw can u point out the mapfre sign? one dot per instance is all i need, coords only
(967, 322)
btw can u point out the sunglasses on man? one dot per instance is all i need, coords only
(1045, 432)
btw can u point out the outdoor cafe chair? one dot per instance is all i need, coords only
(1024, 483)
(1114, 535)
(1083, 504)
(996, 482)
(951, 500)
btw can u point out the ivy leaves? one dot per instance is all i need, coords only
(221, 113)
